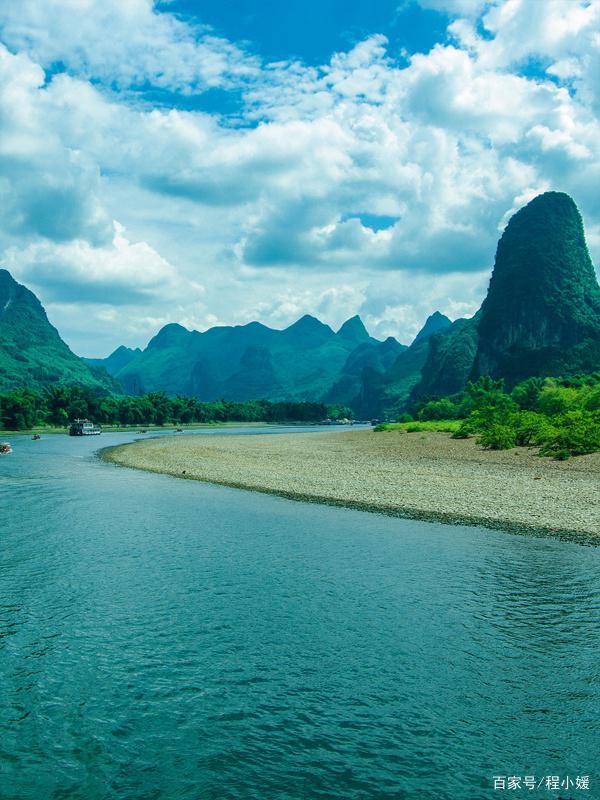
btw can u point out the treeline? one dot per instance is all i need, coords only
(561, 416)
(24, 409)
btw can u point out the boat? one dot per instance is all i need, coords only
(5, 448)
(83, 427)
(36, 436)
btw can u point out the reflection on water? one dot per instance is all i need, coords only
(169, 639)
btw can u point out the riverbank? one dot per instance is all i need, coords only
(421, 475)
(145, 428)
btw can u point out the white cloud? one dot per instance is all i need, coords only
(48, 190)
(464, 8)
(124, 43)
(122, 273)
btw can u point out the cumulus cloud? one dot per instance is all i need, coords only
(48, 190)
(124, 44)
(122, 273)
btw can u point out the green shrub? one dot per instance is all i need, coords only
(526, 394)
(555, 400)
(439, 409)
(498, 437)
(532, 429)
(577, 433)
(592, 401)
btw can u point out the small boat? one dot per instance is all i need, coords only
(5, 448)
(83, 427)
(36, 436)
(178, 430)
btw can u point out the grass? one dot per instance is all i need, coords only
(441, 425)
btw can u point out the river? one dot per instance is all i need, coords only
(163, 639)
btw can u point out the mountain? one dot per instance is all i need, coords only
(32, 354)
(388, 393)
(541, 315)
(433, 324)
(353, 330)
(364, 364)
(116, 360)
(306, 361)
(449, 359)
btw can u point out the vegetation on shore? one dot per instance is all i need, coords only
(560, 416)
(421, 426)
(24, 409)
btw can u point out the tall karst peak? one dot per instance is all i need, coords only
(541, 315)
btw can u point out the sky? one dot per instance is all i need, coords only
(222, 161)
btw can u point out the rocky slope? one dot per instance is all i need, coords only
(32, 354)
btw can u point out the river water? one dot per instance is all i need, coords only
(163, 639)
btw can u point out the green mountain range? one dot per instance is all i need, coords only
(32, 354)
(306, 361)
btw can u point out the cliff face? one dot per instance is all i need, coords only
(541, 315)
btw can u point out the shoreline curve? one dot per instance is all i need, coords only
(429, 477)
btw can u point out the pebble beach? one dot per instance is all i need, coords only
(426, 476)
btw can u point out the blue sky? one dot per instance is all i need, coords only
(218, 162)
(312, 31)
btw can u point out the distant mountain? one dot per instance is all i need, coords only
(353, 330)
(32, 354)
(116, 360)
(388, 393)
(306, 361)
(364, 365)
(433, 324)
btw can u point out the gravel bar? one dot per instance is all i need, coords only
(426, 476)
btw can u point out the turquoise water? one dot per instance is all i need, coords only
(165, 639)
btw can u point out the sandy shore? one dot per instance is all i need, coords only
(418, 475)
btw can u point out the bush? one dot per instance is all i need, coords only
(439, 409)
(498, 437)
(532, 429)
(555, 400)
(577, 434)
(526, 394)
